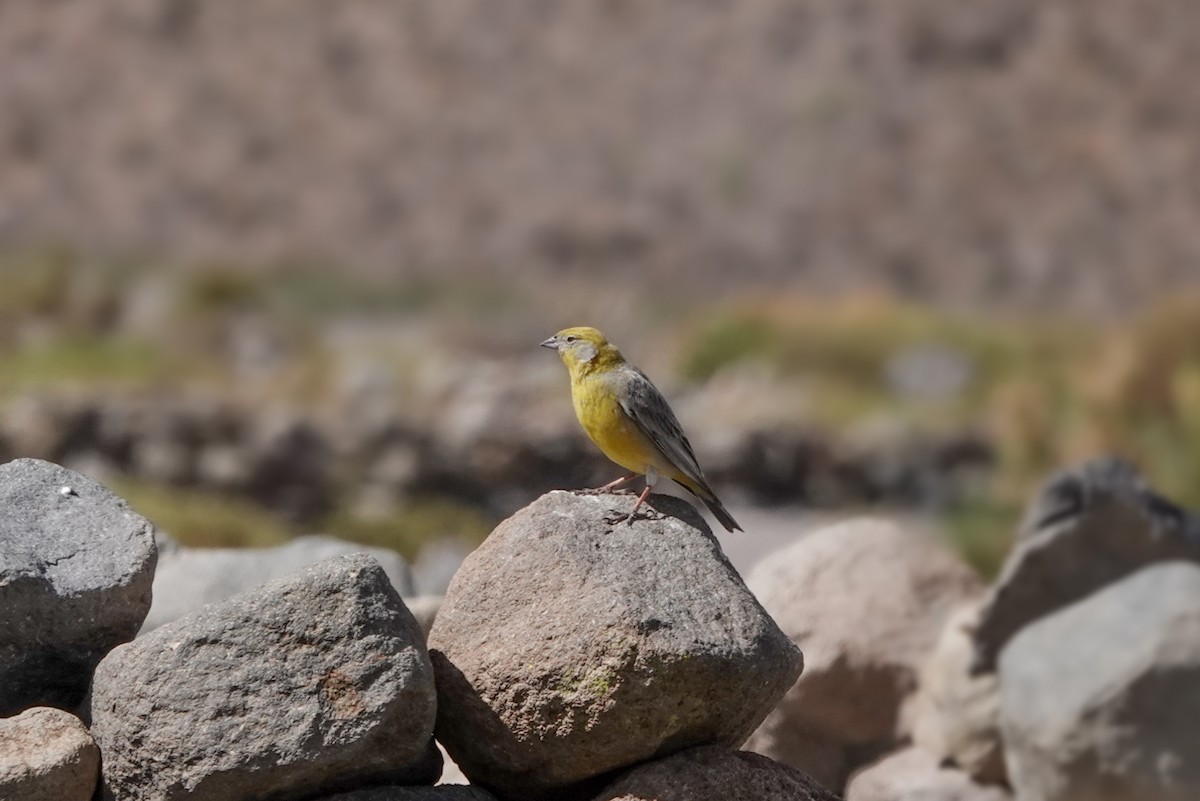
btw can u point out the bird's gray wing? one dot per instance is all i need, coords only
(648, 409)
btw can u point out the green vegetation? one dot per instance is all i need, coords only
(203, 519)
(1047, 392)
(407, 530)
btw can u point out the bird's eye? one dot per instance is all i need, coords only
(572, 338)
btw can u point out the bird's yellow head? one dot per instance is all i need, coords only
(584, 349)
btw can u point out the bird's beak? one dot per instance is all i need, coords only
(552, 342)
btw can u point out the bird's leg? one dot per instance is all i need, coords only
(641, 499)
(609, 487)
(612, 485)
(651, 480)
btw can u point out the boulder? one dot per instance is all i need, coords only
(47, 755)
(188, 578)
(76, 564)
(313, 683)
(913, 774)
(1088, 527)
(714, 773)
(866, 601)
(956, 714)
(567, 646)
(1100, 701)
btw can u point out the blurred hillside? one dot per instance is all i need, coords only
(1019, 154)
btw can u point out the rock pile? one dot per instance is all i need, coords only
(1071, 678)
(572, 658)
(502, 452)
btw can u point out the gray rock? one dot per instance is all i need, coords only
(437, 563)
(713, 773)
(424, 608)
(567, 647)
(1100, 701)
(956, 715)
(189, 578)
(313, 683)
(76, 564)
(914, 775)
(865, 600)
(450, 792)
(1088, 527)
(47, 755)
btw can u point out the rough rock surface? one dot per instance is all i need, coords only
(914, 775)
(713, 773)
(76, 565)
(1088, 527)
(956, 715)
(567, 647)
(1099, 700)
(47, 755)
(310, 683)
(188, 578)
(441, 793)
(865, 600)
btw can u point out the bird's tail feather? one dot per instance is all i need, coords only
(719, 512)
(702, 491)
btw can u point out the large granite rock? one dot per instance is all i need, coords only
(1100, 700)
(316, 682)
(568, 647)
(188, 578)
(914, 774)
(956, 714)
(1089, 526)
(47, 755)
(866, 601)
(76, 564)
(714, 773)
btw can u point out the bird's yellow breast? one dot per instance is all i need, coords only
(600, 413)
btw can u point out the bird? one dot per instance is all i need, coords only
(630, 420)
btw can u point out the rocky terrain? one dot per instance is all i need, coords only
(494, 447)
(576, 659)
(1029, 154)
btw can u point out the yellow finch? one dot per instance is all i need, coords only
(629, 419)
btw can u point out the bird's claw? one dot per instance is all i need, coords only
(604, 491)
(613, 518)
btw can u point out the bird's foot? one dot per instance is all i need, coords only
(645, 513)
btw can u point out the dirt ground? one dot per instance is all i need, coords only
(1019, 154)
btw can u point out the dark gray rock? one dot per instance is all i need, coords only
(713, 773)
(314, 683)
(865, 600)
(1088, 527)
(188, 578)
(47, 755)
(1100, 700)
(567, 647)
(76, 564)
(913, 774)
